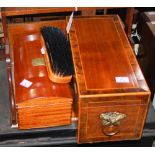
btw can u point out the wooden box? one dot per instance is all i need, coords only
(112, 94)
(43, 103)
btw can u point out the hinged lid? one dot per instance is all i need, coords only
(29, 64)
(103, 59)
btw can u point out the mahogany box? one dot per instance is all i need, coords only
(38, 101)
(112, 95)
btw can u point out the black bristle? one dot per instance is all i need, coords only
(59, 51)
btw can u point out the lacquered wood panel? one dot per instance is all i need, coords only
(13, 11)
(26, 46)
(18, 11)
(101, 52)
(29, 28)
(90, 127)
(47, 115)
(127, 126)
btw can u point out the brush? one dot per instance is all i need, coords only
(57, 55)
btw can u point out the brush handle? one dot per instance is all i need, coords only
(52, 76)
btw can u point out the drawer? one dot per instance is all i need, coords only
(44, 115)
(110, 121)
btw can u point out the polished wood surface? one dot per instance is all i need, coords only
(105, 59)
(47, 115)
(24, 51)
(102, 52)
(92, 98)
(128, 125)
(44, 103)
(14, 11)
(90, 128)
(18, 11)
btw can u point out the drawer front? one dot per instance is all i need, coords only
(44, 116)
(111, 121)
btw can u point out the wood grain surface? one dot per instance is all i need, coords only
(101, 52)
(105, 59)
(44, 103)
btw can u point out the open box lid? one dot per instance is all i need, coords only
(103, 59)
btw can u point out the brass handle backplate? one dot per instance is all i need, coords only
(110, 122)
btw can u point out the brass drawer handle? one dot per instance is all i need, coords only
(110, 130)
(110, 122)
